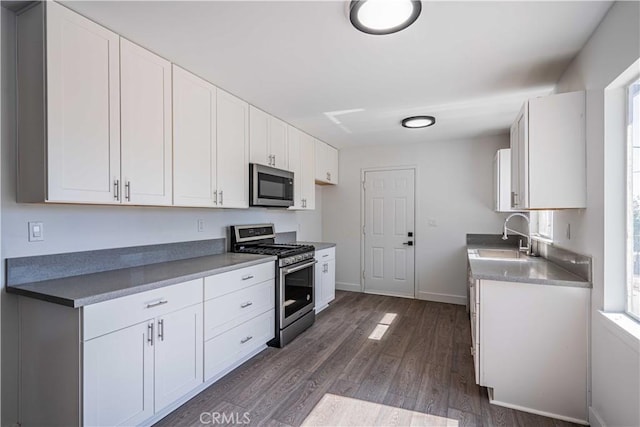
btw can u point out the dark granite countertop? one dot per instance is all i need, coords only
(319, 245)
(531, 270)
(78, 291)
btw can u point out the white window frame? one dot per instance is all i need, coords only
(630, 288)
(542, 225)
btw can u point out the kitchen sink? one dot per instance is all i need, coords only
(500, 254)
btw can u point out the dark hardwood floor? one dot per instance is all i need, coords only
(420, 372)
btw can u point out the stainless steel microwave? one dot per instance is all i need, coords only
(270, 187)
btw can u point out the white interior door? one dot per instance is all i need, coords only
(389, 198)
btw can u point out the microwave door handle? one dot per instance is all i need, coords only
(290, 270)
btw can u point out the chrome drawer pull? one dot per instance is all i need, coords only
(150, 333)
(250, 276)
(156, 304)
(246, 304)
(161, 329)
(324, 256)
(244, 340)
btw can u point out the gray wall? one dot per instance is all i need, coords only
(454, 187)
(69, 228)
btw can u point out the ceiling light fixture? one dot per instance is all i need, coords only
(416, 122)
(383, 16)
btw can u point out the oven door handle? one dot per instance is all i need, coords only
(293, 269)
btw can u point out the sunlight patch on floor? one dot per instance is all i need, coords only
(382, 326)
(334, 410)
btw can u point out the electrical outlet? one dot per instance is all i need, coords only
(36, 231)
(200, 225)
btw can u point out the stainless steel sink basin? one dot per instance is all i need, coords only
(499, 254)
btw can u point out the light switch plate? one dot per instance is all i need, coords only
(36, 231)
(200, 225)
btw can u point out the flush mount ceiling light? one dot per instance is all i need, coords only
(383, 16)
(418, 122)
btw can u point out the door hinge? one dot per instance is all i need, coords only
(362, 274)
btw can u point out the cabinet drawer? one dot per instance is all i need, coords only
(107, 316)
(226, 349)
(326, 254)
(224, 283)
(227, 311)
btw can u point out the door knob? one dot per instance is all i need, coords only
(409, 243)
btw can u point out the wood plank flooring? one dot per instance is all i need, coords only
(420, 372)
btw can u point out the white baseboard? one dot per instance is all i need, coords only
(537, 412)
(447, 298)
(351, 287)
(594, 418)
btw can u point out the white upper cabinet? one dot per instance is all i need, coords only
(194, 140)
(233, 151)
(307, 171)
(145, 97)
(267, 139)
(69, 108)
(548, 153)
(104, 135)
(302, 164)
(326, 163)
(502, 181)
(295, 161)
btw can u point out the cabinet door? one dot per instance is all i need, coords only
(194, 140)
(259, 137)
(332, 164)
(145, 82)
(317, 286)
(307, 171)
(118, 377)
(178, 354)
(293, 148)
(515, 171)
(83, 109)
(278, 143)
(233, 147)
(329, 281)
(321, 161)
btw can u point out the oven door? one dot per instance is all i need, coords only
(270, 186)
(296, 291)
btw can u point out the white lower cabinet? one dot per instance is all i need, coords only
(239, 317)
(325, 281)
(530, 346)
(132, 373)
(118, 378)
(132, 360)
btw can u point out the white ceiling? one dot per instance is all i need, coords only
(470, 64)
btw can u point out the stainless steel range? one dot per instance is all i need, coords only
(294, 278)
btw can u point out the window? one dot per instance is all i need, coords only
(542, 224)
(633, 200)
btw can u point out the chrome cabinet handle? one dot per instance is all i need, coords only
(127, 191)
(150, 333)
(161, 329)
(215, 197)
(325, 255)
(244, 340)
(221, 200)
(247, 277)
(246, 304)
(156, 304)
(328, 176)
(116, 189)
(274, 160)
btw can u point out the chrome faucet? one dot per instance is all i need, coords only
(526, 249)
